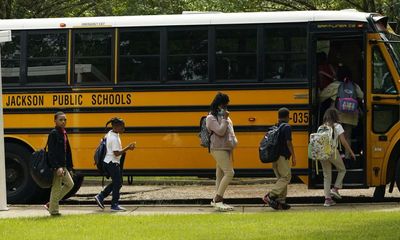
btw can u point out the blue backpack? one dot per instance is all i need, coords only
(99, 156)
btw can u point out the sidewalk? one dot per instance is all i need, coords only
(16, 211)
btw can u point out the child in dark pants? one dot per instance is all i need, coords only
(112, 163)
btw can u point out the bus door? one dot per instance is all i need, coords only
(383, 109)
(347, 48)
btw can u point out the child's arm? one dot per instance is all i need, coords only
(129, 147)
(291, 150)
(346, 145)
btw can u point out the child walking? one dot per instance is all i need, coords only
(276, 198)
(60, 160)
(223, 141)
(112, 165)
(331, 119)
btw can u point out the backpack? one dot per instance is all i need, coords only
(347, 97)
(99, 156)
(41, 171)
(269, 149)
(204, 135)
(322, 146)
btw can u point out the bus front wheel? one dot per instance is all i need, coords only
(21, 188)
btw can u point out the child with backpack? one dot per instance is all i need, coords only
(276, 198)
(60, 160)
(223, 141)
(112, 164)
(331, 120)
(345, 95)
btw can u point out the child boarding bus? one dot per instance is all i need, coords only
(160, 73)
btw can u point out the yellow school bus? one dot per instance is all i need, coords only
(160, 74)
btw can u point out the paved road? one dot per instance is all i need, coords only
(248, 189)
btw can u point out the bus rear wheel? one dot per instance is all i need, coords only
(21, 188)
(78, 180)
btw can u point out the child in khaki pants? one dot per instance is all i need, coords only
(60, 159)
(276, 198)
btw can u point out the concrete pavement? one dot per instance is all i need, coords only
(16, 211)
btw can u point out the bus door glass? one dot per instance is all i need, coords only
(383, 107)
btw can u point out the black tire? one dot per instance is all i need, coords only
(78, 180)
(397, 175)
(379, 193)
(21, 188)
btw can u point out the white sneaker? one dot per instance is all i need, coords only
(212, 203)
(220, 206)
(230, 208)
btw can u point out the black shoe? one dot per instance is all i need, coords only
(284, 206)
(271, 202)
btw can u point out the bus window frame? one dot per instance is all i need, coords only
(256, 52)
(17, 83)
(38, 32)
(117, 67)
(166, 50)
(111, 82)
(280, 26)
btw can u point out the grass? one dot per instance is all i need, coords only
(269, 225)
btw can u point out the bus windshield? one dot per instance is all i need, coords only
(394, 48)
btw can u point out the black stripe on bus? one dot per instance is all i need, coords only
(246, 172)
(171, 129)
(273, 85)
(107, 109)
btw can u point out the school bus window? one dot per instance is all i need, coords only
(384, 117)
(10, 59)
(93, 56)
(394, 48)
(139, 56)
(187, 55)
(383, 81)
(285, 53)
(236, 57)
(47, 57)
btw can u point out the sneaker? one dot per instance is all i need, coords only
(335, 193)
(212, 203)
(117, 208)
(329, 202)
(230, 208)
(99, 201)
(47, 206)
(220, 206)
(271, 202)
(284, 206)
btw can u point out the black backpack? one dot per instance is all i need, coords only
(270, 145)
(41, 171)
(99, 156)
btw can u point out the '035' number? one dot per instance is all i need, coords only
(300, 117)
